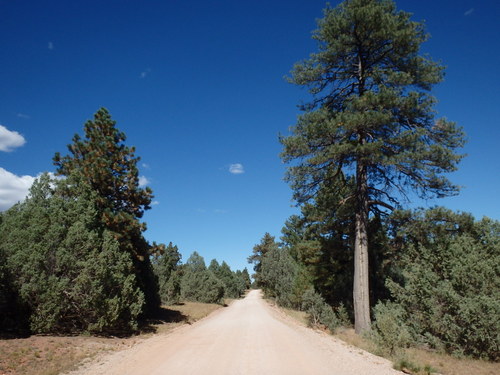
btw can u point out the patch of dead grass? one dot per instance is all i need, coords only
(349, 336)
(441, 363)
(449, 365)
(194, 311)
(48, 355)
(299, 316)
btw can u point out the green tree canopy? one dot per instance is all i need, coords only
(166, 266)
(233, 285)
(450, 292)
(109, 167)
(214, 266)
(195, 263)
(70, 274)
(267, 243)
(245, 276)
(200, 284)
(278, 275)
(371, 120)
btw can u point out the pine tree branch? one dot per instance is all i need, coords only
(381, 203)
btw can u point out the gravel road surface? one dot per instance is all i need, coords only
(249, 338)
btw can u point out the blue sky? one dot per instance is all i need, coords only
(198, 88)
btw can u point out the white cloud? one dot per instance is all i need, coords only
(50, 46)
(143, 181)
(155, 203)
(9, 140)
(236, 168)
(145, 165)
(23, 116)
(469, 12)
(145, 73)
(13, 188)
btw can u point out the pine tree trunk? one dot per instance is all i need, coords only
(361, 288)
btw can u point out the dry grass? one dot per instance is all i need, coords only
(47, 355)
(194, 311)
(349, 336)
(51, 355)
(448, 365)
(299, 316)
(440, 363)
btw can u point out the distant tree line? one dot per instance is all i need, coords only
(367, 139)
(73, 257)
(193, 281)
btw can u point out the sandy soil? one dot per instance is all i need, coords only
(248, 337)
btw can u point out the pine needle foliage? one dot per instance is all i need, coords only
(200, 284)
(267, 244)
(371, 119)
(278, 276)
(70, 275)
(450, 292)
(109, 167)
(166, 266)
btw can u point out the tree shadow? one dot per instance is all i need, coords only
(14, 323)
(17, 328)
(14, 334)
(161, 316)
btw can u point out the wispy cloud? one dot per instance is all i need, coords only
(13, 188)
(145, 73)
(155, 203)
(50, 45)
(145, 165)
(469, 12)
(236, 168)
(9, 139)
(23, 116)
(143, 181)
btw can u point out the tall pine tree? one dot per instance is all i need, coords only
(110, 168)
(371, 119)
(267, 243)
(166, 264)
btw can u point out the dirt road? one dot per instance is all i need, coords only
(248, 337)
